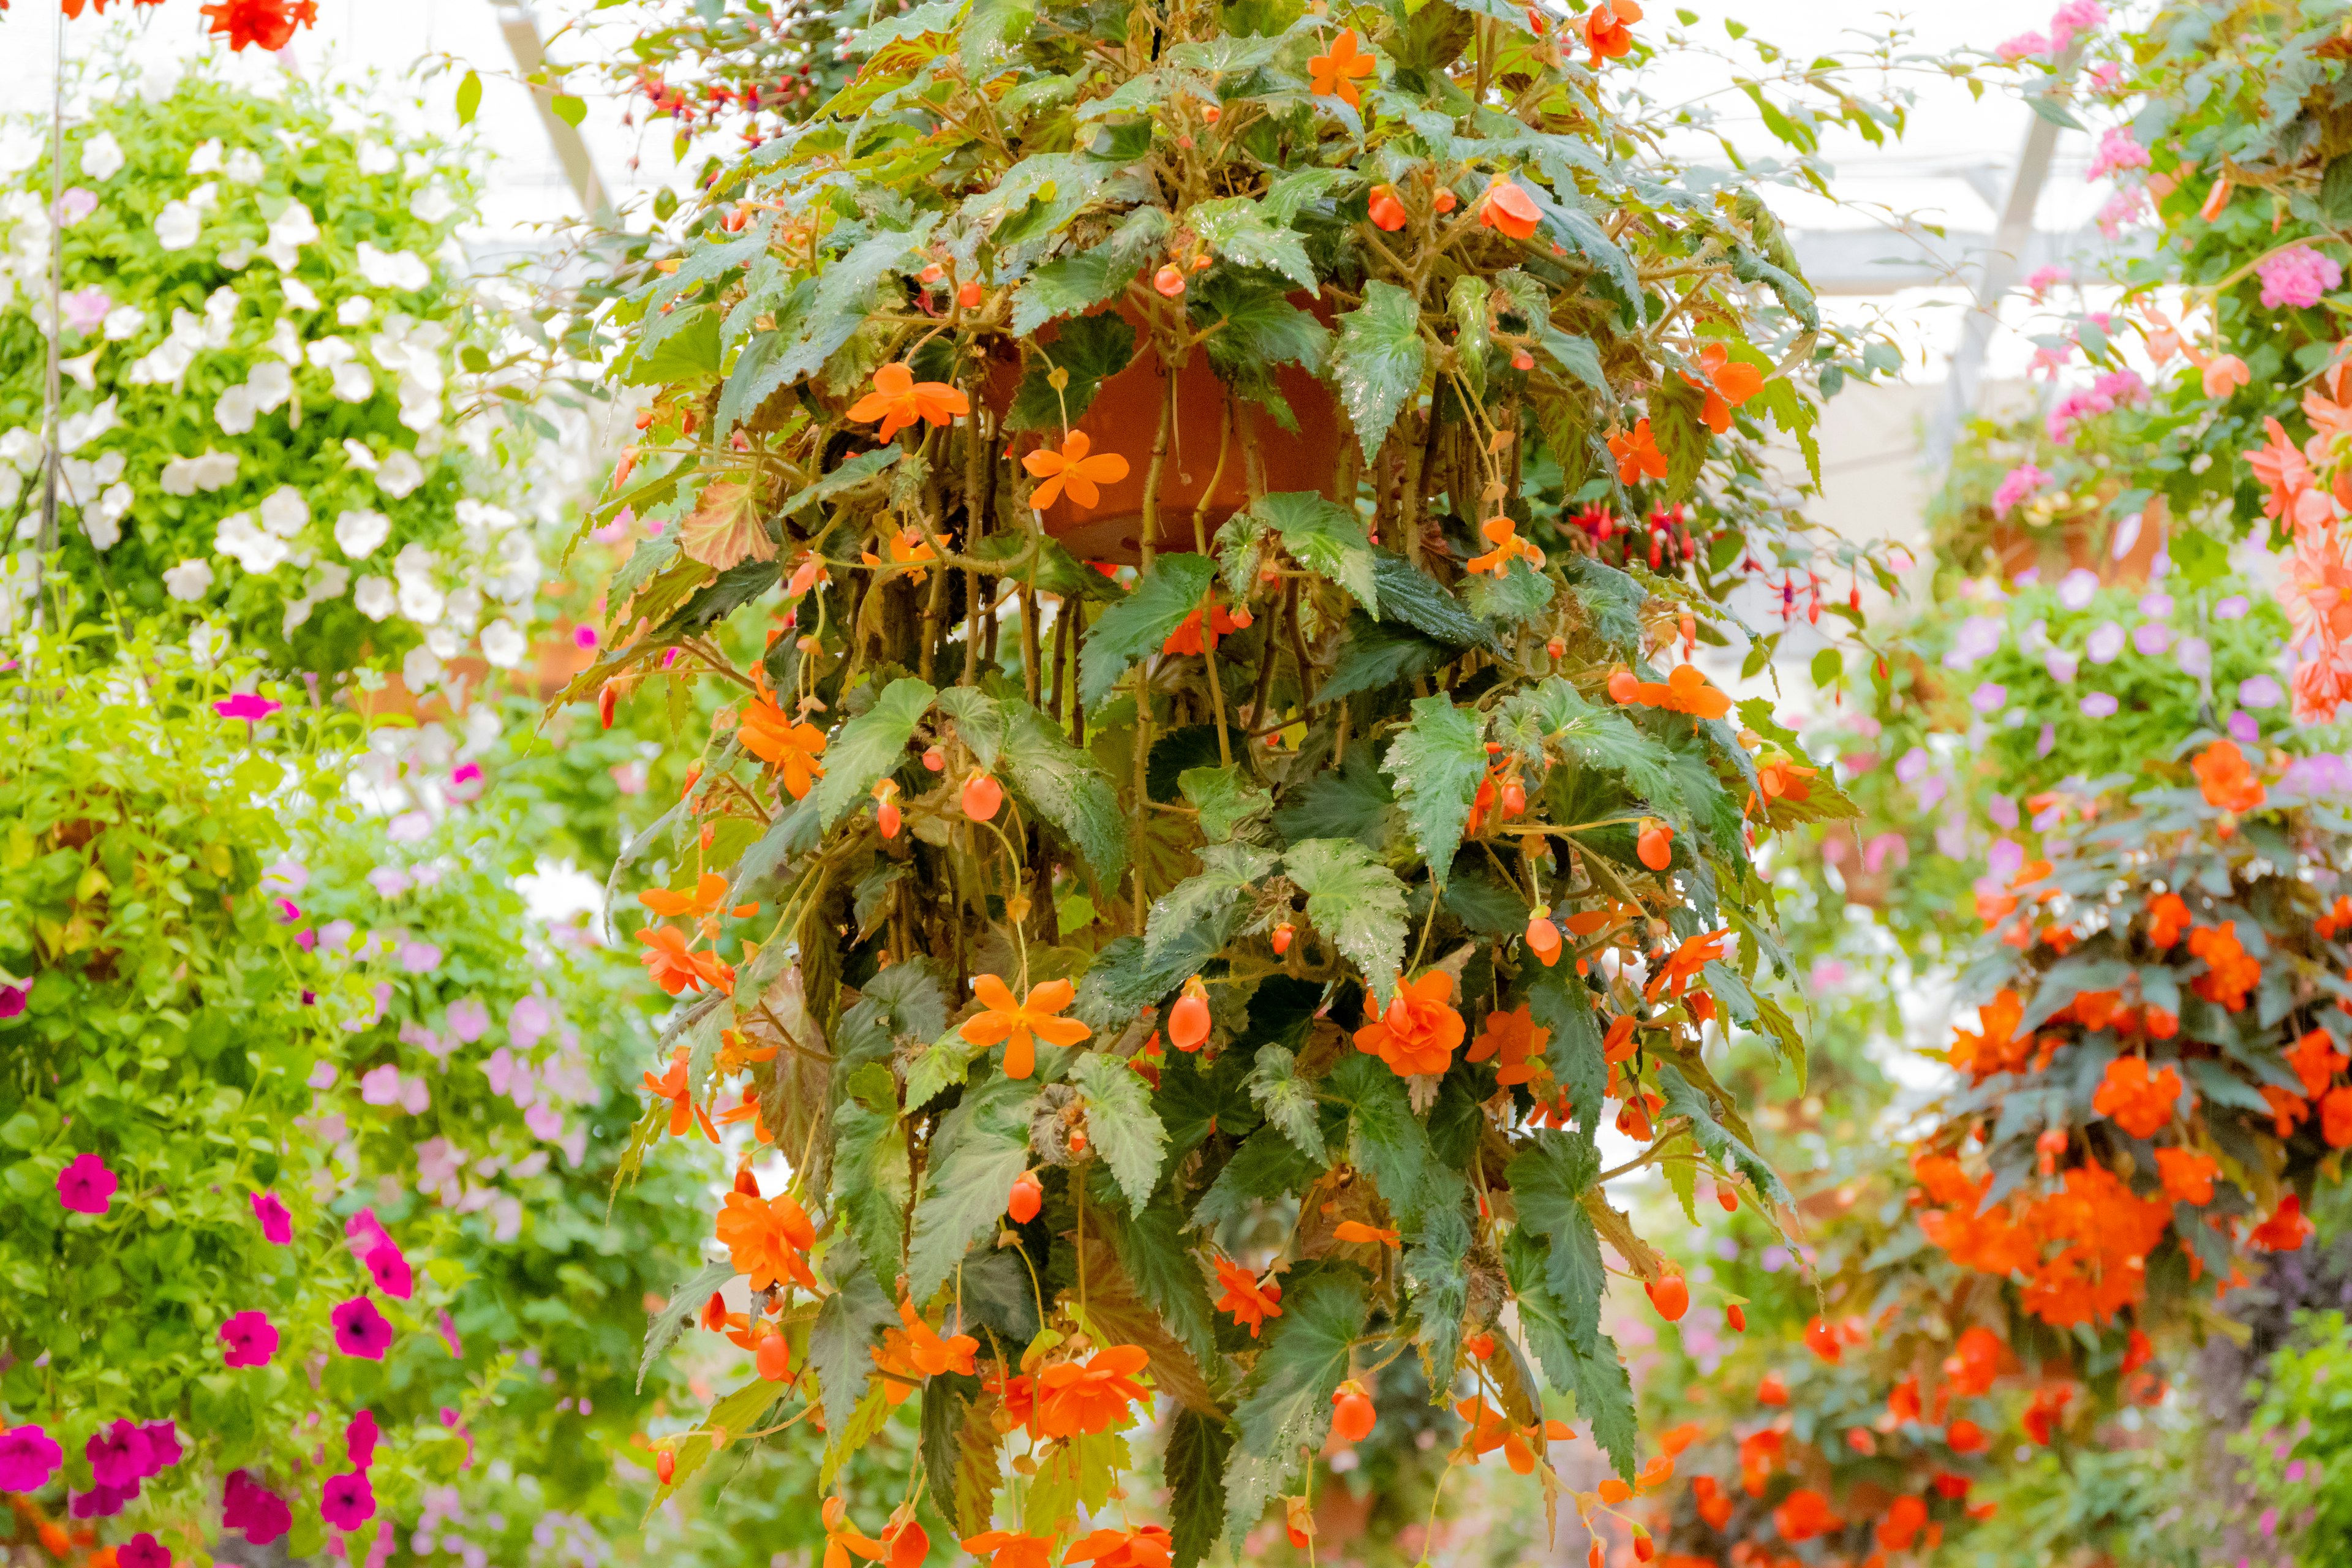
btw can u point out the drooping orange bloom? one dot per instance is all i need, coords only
(2139, 1102)
(1503, 535)
(2227, 778)
(1187, 638)
(1507, 206)
(1804, 1514)
(792, 747)
(1356, 1233)
(765, 1238)
(907, 547)
(1683, 965)
(1780, 778)
(899, 400)
(1606, 32)
(1093, 1397)
(2188, 1176)
(1246, 1299)
(672, 1086)
(1513, 1039)
(1149, 1547)
(1729, 384)
(1335, 74)
(2286, 1230)
(747, 1110)
(917, 1352)
(2316, 1061)
(2289, 1110)
(1076, 470)
(675, 967)
(2280, 466)
(1686, 689)
(710, 892)
(2168, 917)
(1019, 1025)
(904, 1542)
(1637, 455)
(2231, 973)
(1419, 1032)
(1490, 1429)
(1011, 1549)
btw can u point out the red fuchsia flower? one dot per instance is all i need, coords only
(248, 1506)
(347, 1501)
(86, 1185)
(390, 1270)
(359, 1439)
(249, 1339)
(28, 1457)
(359, 1330)
(248, 706)
(277, 1225)
(142, 1551)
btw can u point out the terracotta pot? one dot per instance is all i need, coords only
(2016, 548)
(554, 661)
(1125, 417)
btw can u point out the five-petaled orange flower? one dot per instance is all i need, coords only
(672, 1086)
(2139, 1102)
(1011, 1549)
(899, 400)
(1637, 455)
(766, 1238)
(918, 1351)
(675, 968)
(1074, 1399)
(1729, 383)
(1514, 1038)
(1503, 535)
(1419, 1032)
(1683, 965)
(1077, 470)
(904, 1542)
(1019, 1025)
(710, 892)
(770, 735)
(1187, 638)
(1336, 73)
(1149, 1547)
(2227, 778)
(1249, 1302)
(907, 547)
(1606, 32)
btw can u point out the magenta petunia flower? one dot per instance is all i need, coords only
(247, 706)
(277, 1225)
(360, 1329)
(360, 1438)
(102, 1502)
(248, 1506)
(163, 1448)
(12, 1000)
(142, 1551)
(87, 1186)
(119, 1454)
(28, 1457)
(390, 1270)
(250, 1338)
(347, 1501)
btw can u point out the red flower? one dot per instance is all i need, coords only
(269, 23)
(2227, 778)
(1605, 31)
(2286, 1230)
(2188, 1176)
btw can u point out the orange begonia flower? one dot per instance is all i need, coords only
(1018, 1025)
(766, 1238)
(2139, 1102)
(792, 748)
(1637, 455)
(1507, 206)
(899, 400)
(1011, 1549)
(2286, 1230)
(710, 892)
(1728, 382)
(1076, 470)
(1503, 535)
(1248, 1302)
(1515, 1041)
(675, 968)
(1683, 965)
(2188, 1176)
(2336, 1117)
(1805, 1514)
(1149, 1547)
(1419, 1032)
(1074, 1398)
(2168, 917)
(1606, 32)
(2231, 973)
(904, 1542)
(1357, 1233)
(2227, 778)
(747, 1110)
(2316, 1061)
(1335, 74)
(672, 1086)
(907, 547)
(1187, 638)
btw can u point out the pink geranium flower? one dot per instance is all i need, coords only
(360, 1329)
(249, 1339)
(277, 1225)
(2298, 277)
(87, 1186)
(2118, 151)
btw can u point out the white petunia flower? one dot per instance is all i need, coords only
(465, 607)
(189, 580)
(234, 412)
(21, 448)
(375, 158)
(12, 484)
(354, 310)
(354, 382)
(176, 225)
(244, 166)
(220, 316)
(327, 352)
(206, 644)
(205, 196)
(212, 470)
(444, 641)
(401, 269)
(432, 203)
(102, 519)
(420, 601)
(284, 512)
(399, 475)
(356, 453)
(207, 158)
(123, 322)
(421, 669)
(288, 233)
(503, 644)
(237, 538)
(298, 294)
(374, 597)
(101, 156)
(271, 383)
(83, 368)
(76, 431)
(236, 255)
(358, 534)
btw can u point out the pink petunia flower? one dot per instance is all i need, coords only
(359, 1439)
(390, 1270)
(277, 1225)
(360, 1329)
(28, 1457)
(84, 309)
(347, 1501)
(248, 706)
(2118, 151)
(250, 1338)
(142, 1551)
(119, 1455)
(86, 1185)
(248, 1506)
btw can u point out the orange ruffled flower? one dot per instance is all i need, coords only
(917, 1352)
(2168, 917)
(1419, 1032)
(1335, 74)
(1503, 535)
(2231, 973)
(2188, 1176)
(1187, 638)
(675, 967)
(1637, 455)
(1606, 32)
(2316, 1061)
(1246, 1301)
(904, 1542)
(1356, 1233)
(765, 1238)
(1515, 1043)
(1076, 470)
(1149, 1547)
(1508, 208)
(899, 400)
(2139, 1102)
(1011, 1549)
(1019, 1025)
(1073, 1399)
(2286, 1230)
(672, 1086)
(2227, 778)
(769, 734)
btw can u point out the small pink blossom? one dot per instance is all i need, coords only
(2123, 207)
(84, 309)
(2025, 45)
(2043, 280)
(381, 1086)
(2015, 485)
(418, 957)
(467, 1019)
(389, 881)
(2099, 705)
(277, 1225)
(364, 1233)
(75, 205)
(528, 1020)
(2106, 78)
(2072, 17)
(2118, 151)
(359, 1439)
(142, 1551)
(86, 1185)
(248, 706)
(360, 1329)
(2298, 277)
(249, 1339)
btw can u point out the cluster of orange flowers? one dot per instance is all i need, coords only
(2315, 1062)
(1686, 689)
(2083, 1250)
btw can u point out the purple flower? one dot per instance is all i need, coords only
(2296, 276)
(84, 309)
(2015, 485)
(1990, 698)
(360, 1438)
(75, 205)
(102, 1502)
(2062, 665)
(250, 1338)
(2151, 637)
(2075, 589)
(359, 1328)
(143, 1551)
(418, 957)
(277, 1225)
(347, 1501)
(87, 1186)
(248, 1506)
(247, 706)
(2260, 691)
(527, 1020)
(2002, 810)
(1912, 766)
(1978, 638)
(28, 1457)
(390, 1271)
(467, 1019)
(2047, 742)
(583, 637)
(12, 1000)
(2157, 603)
(2233, 608)
(2243, 730)
(2195, 657)
(163, 1446)
(2099, 705)
(2106, 643)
